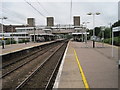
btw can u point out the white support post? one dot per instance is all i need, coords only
(112, 43)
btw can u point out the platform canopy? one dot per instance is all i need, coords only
(79, 33)
(42, 34)
(116, 29)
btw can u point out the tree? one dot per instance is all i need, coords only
(90, 33)
(97, 31)
(107, 33)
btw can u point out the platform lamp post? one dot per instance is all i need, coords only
(112, 39)
(112, 42)
(34, 34)
(85, 23)
(82, 32)
(3, 32)
(103, 30)
(12, 34)
(24, 25)
(110, 31)
(93, 26)
(37, 32)
(26, 33)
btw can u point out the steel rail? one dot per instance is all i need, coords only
(53, 73)
(4, 66)
(19, 59)
(35, 71)
(24, 63)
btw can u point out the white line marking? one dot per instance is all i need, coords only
(57, 80)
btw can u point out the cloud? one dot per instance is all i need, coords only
(61, 11)
(62, 0)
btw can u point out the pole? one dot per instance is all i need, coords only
(85, 23)
(12, 34)
(82, 36)
(112, 43)
(3, 43)
(2, 28)
(2, 36)
(93, 30)
(25, 35)
(37, 34)
(110, 33)
(86, 33)
(34, 34)
(103, 38)
(86, 37)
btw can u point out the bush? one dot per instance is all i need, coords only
(7, 42)
(27, 40)
(68, 36)
(116, 41)
(10, 41)
(14, 42)
(23, 41)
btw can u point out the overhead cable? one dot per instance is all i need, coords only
(34, 8)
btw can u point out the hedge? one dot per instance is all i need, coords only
(116, 41)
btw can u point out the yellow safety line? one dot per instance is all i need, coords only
(81, 72)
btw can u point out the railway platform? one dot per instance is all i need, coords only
(18, 47)
(86, 67)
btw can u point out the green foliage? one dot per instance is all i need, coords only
(8, 41)
(90, 33)
(23, 41)
(107, 33)
(116, 41)
(108, 40)
(14, 42)
(68, 36)
(97, 31)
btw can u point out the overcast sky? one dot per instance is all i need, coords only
(17, 12)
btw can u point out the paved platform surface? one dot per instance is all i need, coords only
(98, 65)
(70, 77)
(18, 47)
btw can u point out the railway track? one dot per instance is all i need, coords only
(14, 65)
(41, 48)
(43, 77)
(8, 77)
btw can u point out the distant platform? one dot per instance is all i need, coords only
(18, 47)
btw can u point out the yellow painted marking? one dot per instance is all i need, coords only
(81, 72)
